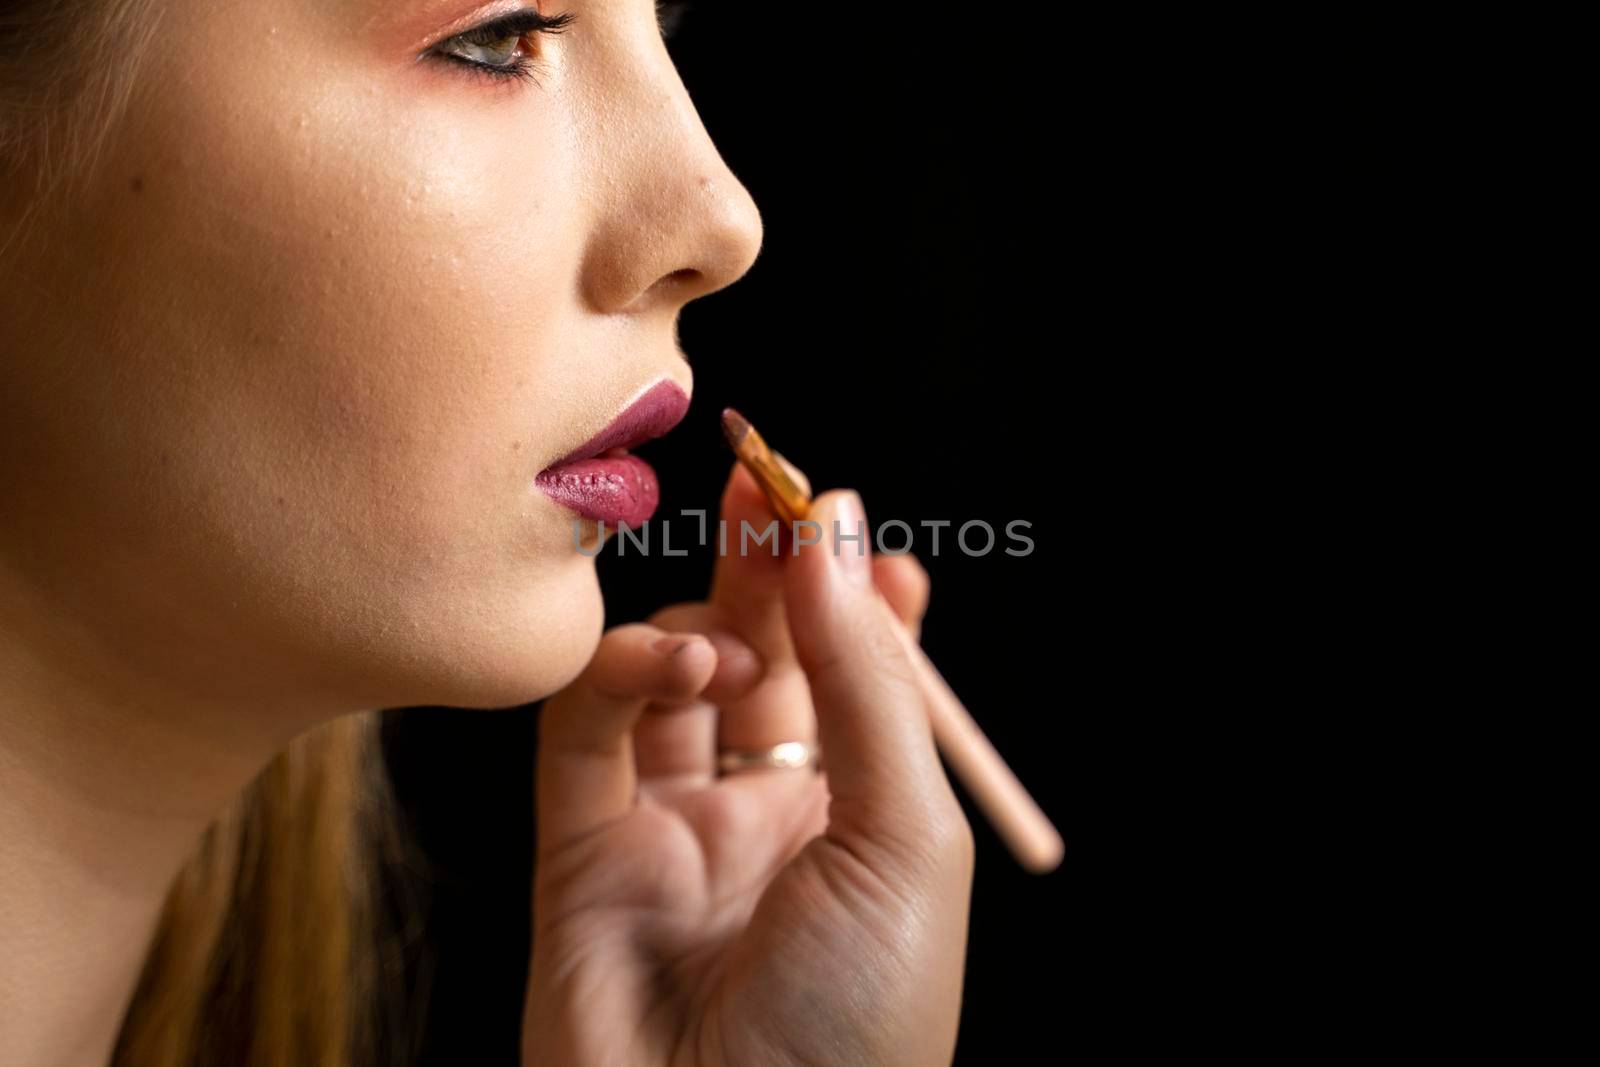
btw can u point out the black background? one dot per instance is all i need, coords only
(910, 330)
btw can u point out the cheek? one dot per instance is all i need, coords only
(353, 325)
(378, 289)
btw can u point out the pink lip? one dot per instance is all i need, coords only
(617, 489)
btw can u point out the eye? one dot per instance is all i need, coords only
(495, 49)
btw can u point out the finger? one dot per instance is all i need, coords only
(747, 580)
(748, 588)
(586, 776)
(675, 743)
(755, 707)
(904, 583)
(739, 666)
(674, 749)
(890, 794)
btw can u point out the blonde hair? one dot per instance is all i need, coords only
(67, 71)
(274, 948)
(277, 944)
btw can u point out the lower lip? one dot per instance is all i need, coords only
(614, 489)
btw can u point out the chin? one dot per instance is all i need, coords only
(514, 651)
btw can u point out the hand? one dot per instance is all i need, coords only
(776, 917)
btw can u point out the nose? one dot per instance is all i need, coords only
(673, 222)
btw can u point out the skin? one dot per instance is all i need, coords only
(276, 389)
(776, 917)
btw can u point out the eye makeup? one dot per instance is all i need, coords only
(522, 25)
(516, 27)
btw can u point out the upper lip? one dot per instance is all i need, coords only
(658, 409)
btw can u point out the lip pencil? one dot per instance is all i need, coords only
(1016, 817)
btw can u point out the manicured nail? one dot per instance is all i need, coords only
(850, 546)
(672, 644)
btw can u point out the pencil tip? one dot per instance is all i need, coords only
(734, 426)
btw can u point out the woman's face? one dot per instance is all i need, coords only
(277, 391)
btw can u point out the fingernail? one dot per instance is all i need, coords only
(672, 644)
(850, 544)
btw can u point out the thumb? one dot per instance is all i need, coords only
(884, 776)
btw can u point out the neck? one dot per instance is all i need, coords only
(107, 782)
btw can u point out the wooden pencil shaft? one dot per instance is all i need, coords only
(1011, 810)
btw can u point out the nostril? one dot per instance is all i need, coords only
(684, 280)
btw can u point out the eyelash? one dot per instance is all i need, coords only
(669, 14)
(519, 24)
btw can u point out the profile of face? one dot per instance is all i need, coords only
(278, 387)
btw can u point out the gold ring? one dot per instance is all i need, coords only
(784, 756)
